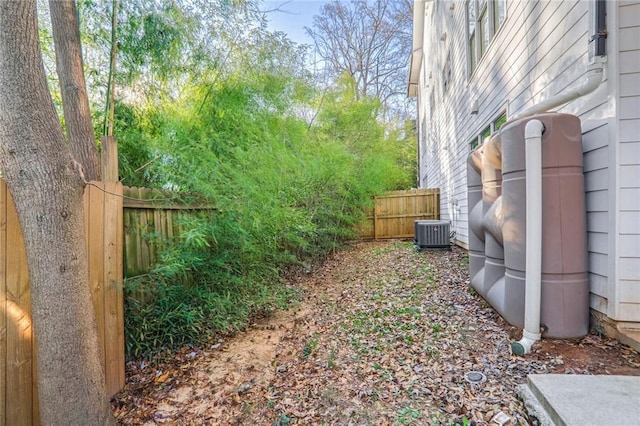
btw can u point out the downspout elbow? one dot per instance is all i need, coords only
(533, 132)
(524, 345)
(593, 78)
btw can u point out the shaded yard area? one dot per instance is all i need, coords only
(383, 334)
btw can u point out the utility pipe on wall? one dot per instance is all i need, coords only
(533, 280)
(592, 79)
(533, 164)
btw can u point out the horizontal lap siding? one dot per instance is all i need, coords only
(628, 262)
(596, 170)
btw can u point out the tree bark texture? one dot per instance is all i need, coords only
(75, 102)
(47, 189)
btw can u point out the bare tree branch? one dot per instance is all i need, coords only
(369, 40)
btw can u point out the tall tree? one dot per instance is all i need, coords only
(47, 189)
(370, 40)
(75, 102)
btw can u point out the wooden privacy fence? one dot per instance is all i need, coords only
(393, 214)
(103, 226)
(150, 217)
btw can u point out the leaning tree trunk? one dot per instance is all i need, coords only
(47, 190)
(75, 102)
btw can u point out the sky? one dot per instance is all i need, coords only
(292, 17)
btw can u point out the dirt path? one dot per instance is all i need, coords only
(385, 335)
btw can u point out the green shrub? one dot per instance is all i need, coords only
(195, 293)
(286, 192)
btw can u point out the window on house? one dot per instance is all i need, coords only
(484, 136)
(499, 122)
(471, 30)
(499, 13)
(483, 23)
(484, 18)
(493, 127)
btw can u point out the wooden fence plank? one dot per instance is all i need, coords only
(109, 159)
(130, 244)
(19, 355)
(170, 230)
(3, 304)
(113, 291)
(163, 219)
(144, 257)
(95, 244)
(376, 226)
(120, 276)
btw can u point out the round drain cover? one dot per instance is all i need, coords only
(475, 377)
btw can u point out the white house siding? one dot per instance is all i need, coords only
(628, 218)
(540, 50)
(536, 40)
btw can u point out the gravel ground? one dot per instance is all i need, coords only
(384, 334)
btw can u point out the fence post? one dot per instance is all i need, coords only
(375, 218)
(109, 158)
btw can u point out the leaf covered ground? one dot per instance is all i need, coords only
(384, 334)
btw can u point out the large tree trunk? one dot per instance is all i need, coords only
(75, 102)
(37, 165)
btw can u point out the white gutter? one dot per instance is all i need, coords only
(592, 79)
(415, 62)
(533, 280)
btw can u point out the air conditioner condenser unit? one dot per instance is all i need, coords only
(432, 234)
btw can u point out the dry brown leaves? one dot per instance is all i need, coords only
(385, 335)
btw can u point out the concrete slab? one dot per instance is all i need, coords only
(630, 338)
(559, 399)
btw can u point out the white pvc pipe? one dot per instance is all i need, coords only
(533, 163)
(592, 79)
(533, 280)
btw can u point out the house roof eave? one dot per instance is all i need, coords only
(418, 40)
